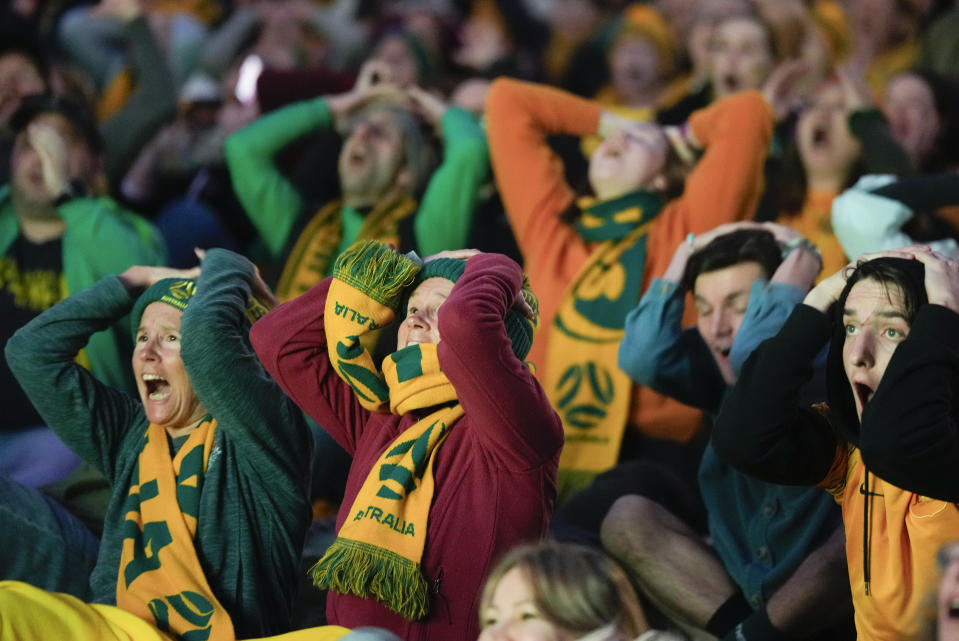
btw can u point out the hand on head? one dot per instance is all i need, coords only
(941, 277)
(374, 83)
(139, 277)
(428, 105)
(827, 292)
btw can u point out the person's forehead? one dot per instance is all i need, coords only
(719, 283)
(741, 28)
(160, 313)
(869, 295)
(433, 286)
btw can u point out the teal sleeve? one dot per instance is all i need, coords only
(232, 383)
(446, 211)
(90, 417)
(657, 352)
(270, 200)
(770, 304)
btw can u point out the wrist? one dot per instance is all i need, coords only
(800, 243)
(818, 300)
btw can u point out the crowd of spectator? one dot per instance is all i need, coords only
(479, 319)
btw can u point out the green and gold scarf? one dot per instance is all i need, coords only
(160, 577)
(315, 249)
(587, 388)
(379, 550)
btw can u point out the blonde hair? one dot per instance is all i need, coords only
(574, 587)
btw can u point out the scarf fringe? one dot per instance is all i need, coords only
(364, 570)
(376, 270)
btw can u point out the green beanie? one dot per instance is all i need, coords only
(175, 292)
(519, 328)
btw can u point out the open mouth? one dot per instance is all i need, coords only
(731, 82)
(864, 393)
(954, 608)
(157, 387)
(820, 136)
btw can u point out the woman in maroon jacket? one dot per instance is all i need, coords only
(455, 446)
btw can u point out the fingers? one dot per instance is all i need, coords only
(462, 254)
(523, 307)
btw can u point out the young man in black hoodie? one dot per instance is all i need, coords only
(886, 445)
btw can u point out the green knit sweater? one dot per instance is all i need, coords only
(254, 506)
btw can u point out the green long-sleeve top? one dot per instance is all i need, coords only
(254, 507)
(274, 204)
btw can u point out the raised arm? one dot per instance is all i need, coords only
(445, 215)
(271, 201)
(725, 184)
(658, 353)
(152, 103)
(507, 407)
(761, 428)
(529, 175)
(89, 416)
(869, 217)
(229, 379)
(291, 343)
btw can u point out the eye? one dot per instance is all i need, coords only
(850, 330)
(528, 616)
(172, 338)
(412, 310)
(893, 333)
(141, 338)
(488, 621)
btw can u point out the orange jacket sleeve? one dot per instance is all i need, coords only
(519, 116)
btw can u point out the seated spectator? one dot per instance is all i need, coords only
(560, 591)
(454, 444)
(384, 162)
(839, 135)
(885, 445)
(209, 466)
(921, 108)
(591, 256)
(772, 565)
(22, 73)
(53, 232)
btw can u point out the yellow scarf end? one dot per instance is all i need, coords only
(368, 571)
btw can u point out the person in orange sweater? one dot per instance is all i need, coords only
(590, 258)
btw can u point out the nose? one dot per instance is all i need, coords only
(720, 325)
(417, 320)
(147, 350)
(861, 353)
(362, 130)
